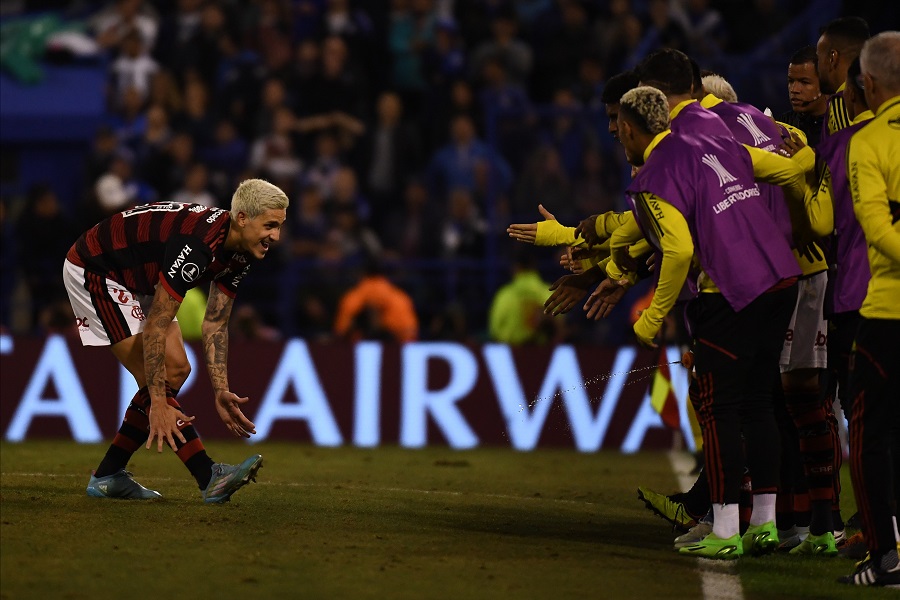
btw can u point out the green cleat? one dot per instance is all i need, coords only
(119, 485)
(694, 536)
(668, 509)
(761, 539)
(712, 546)
(227, 479)
(817, 544)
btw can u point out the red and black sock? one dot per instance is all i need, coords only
(817, 452)
(191, 451)
(132, 435)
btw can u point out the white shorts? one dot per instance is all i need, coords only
(806, 340)
(105, 311)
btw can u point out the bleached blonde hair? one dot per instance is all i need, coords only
(649, 108)
(880, 58)
(253, 197)
(719, 87)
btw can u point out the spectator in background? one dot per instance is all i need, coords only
(226, 157)
(102, 152)
(198, 118)
(597, 188)
(517, 311)
(325, 164)
(758, 21)
(273, 156)
(129, 121)
(115, 191)
(663, 30)
(195, 189)
(156, 138)
(393, 151)
(567, 132)
(460, 101)
(410, 33)
(164, 91)
(213, 40)
(508, 109)
(455, 166)
(114, 22)
(464, 228)
(349, 241)
(376, 309)
(176, 29)
(309, 226)
(409, 231)
(44, 233)
(513, 54)
(273, 97)
(134, 69)
(704, 28)
(345, 192)
(444, 61)
(544, 179)
(557, 57)
(167, 171)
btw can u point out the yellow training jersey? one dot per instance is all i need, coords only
(874, 172)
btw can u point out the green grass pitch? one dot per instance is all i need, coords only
(355, 523)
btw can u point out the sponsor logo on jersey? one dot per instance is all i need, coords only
(750, 125)
(197, 209)
(215, 215)
(82, 323)
(179, 260)
(190, 272)
(712, 161)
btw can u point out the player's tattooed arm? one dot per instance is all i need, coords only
(215, 344)
(163, 417)
(215, 337)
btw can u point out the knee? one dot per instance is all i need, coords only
(177, 373)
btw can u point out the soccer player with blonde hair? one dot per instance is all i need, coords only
(126, 278)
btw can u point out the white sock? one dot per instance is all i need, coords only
(726, 520)
(763, 509)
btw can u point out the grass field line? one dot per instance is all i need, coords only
(718, 578)
(342, 486)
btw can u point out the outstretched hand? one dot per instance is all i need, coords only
(165, 423)
(604, 299)
(568, 291)
(587, 230)
(527, 232)
(228, 405)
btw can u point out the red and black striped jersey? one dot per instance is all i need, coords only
(176, 244)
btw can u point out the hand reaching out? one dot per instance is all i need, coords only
(603, 299)
(229, 409)
(527, 232)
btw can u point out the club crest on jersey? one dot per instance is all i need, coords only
(190, 272)
(712, 161)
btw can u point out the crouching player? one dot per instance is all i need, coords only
(126, 278)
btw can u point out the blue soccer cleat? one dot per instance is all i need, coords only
(227, 479)
(119, 485)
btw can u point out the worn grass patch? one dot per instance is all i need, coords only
(354, 523)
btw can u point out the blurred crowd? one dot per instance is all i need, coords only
(407, 133)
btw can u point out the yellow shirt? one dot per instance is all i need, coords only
(874, 173)
(837, 111)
